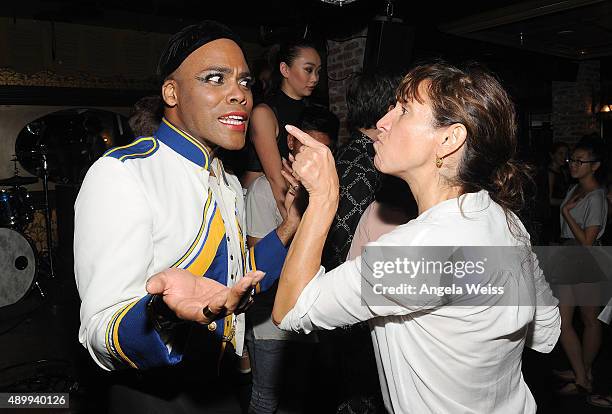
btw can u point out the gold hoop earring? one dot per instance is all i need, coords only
(440, 160)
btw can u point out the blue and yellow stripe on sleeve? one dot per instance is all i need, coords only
(142, 147)
(132, 341)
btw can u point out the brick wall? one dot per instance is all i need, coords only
(572, 104)
(343, 59)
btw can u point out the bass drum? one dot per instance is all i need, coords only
(17, 266)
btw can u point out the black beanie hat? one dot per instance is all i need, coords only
(190, 38)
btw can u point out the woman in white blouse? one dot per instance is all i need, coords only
(452, 138)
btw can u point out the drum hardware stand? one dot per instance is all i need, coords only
(43, 152)
(40, 291)
(16, 174)
(16, 170)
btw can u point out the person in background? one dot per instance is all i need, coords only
(606, 239)
(394, 205)
(558, 183)
(368, 97)
(583, 220)
(603, 399)
(348, 353)
(268, 346)
(262, 70)
(295, 77)
(146, 116)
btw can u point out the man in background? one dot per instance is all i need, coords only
(268, 345)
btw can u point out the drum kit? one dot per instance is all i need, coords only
(19, 259)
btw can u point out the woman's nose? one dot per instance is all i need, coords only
(383, 123)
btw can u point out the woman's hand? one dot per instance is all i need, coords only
(571, 203)
(314, 167)
(187, 295)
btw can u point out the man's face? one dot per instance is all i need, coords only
(209, 95)
(295, 145)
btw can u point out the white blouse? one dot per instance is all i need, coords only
(449, 359)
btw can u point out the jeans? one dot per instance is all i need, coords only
(267, 363)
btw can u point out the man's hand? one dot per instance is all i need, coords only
(293, 210)
(187, 295)
(292, 215)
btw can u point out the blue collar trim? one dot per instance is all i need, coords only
(183, 143)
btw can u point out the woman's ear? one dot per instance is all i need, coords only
(595, 166)
(169, 92)
(453, 139)
(284, 69)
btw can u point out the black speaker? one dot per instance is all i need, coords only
(564, 70)
(388, 45)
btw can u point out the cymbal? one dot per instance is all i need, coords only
(18, 180)
(35, 152)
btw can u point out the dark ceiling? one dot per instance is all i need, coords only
(499, 30)
(576, 29)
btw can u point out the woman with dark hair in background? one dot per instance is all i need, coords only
(558, 182)
(583, 221)
(452, 137)
(294, 78)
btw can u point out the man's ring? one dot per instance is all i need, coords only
(208, 314)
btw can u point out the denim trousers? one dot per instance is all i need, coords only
(267, 365)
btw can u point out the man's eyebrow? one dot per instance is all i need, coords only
(225, 70)
(222, 69)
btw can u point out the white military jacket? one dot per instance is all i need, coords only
(157, 203)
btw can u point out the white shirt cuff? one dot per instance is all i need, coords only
(297, 320)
